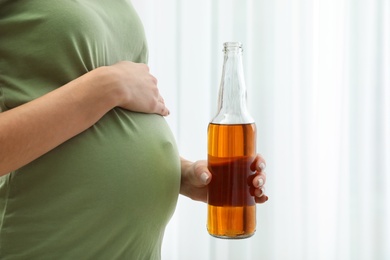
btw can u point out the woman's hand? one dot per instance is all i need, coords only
(32, 129)
(138, 88)
(196, 177)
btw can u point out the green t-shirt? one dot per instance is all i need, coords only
(108, 192)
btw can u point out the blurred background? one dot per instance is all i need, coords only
(318, 82)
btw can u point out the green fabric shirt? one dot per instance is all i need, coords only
(109, 192)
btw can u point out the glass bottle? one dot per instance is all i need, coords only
(231, 151)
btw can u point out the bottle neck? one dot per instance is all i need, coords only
(232, 102)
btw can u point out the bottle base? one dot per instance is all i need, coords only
(236, 237)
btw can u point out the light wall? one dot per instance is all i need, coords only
(318, 79)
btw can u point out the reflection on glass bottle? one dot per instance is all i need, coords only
(231, 150)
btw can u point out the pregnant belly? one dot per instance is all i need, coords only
(110, 187)
(123, 169)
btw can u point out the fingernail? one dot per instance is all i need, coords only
(259, 192)
(262, 166)
(260, 182)
(204, 177)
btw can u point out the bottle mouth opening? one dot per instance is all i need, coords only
(232, 46)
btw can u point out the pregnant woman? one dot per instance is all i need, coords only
(89, 167)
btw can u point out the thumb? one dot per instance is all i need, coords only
(201, 173)
(205, 177)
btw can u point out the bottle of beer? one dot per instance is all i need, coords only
(231, 150)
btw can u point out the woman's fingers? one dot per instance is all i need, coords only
(260, 179)
(139, 87)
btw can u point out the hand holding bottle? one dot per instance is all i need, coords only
(196, 176)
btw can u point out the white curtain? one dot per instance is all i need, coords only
(318, 80)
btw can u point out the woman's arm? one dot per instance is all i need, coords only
(32, 129)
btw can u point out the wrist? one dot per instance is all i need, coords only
(185, 165)
(103, 83)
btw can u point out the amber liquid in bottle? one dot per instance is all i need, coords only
(231, 205)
